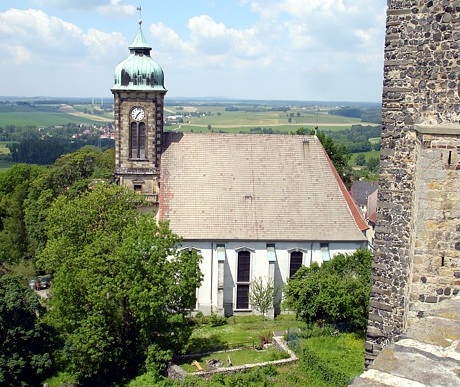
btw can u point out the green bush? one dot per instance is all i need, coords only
(337, 292)
(329, 375)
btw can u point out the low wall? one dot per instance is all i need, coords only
(177, 373)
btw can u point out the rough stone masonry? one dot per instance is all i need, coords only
(417, 242)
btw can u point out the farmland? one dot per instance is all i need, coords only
(218, 119)
(42, 115)
(270, 117)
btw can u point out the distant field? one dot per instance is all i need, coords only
(3, 148)
(5, 165)
(42, 115)
(242, 121)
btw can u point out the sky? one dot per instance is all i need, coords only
(307, 50)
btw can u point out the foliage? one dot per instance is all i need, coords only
(373, 164)
(25, 345)
(366, 115)
(114, 299)
(262, 295)
(14, 189)
(213, 319)
(71, 174)
(337, 292)
(317, 365)
(360, 159)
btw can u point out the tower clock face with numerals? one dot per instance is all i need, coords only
(137, 114)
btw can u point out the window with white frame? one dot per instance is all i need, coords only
(242, 279)
(325, 254)
(271, 253)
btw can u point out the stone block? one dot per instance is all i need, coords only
(375, 332)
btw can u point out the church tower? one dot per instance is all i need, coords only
(138, 107)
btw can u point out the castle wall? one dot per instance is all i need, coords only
(418, 220)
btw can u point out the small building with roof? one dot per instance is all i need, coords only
(254, 206)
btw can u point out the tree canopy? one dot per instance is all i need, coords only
(25, 342)
(336, 292)
(121, 288)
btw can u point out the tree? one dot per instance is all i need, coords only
(360, 160)
(336, 292)
(262, 295)
(373, 164)
(122, 288)
(14, 188)
(71, 174)
(25, 342)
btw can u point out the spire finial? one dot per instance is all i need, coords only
(139, 8)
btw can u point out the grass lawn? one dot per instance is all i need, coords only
(238, 358)
(240, 330)
(342, 353)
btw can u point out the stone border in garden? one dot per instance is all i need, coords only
(177, 373)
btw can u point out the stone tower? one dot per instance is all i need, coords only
(138, 104)
(417, 256)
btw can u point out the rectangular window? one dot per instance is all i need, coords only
(271, 254)
(244, 265)
(325, 254)
(133, 141)
(296, 262)
(141, 151)
(221, 253)
(242, 296)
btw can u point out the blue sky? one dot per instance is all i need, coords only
(322, 50)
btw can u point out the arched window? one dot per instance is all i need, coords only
(296, 262)
(137, 140)
(242, 279)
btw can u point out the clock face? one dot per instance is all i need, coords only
(137, 114)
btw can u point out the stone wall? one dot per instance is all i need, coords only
(135, 172)
(418, 221)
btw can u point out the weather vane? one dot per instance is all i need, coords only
(139, 8)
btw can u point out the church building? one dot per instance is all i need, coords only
(254, 206)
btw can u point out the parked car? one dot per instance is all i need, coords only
(32, 283)
(45, 281)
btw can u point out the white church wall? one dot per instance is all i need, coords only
(218, 292)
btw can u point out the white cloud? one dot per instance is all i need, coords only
(210, 43)
(33, 36)
(71, 4)
(102, 45)
(116, 8)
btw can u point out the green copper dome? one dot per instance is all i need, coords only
(139, 71)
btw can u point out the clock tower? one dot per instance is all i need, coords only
(138, 107)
